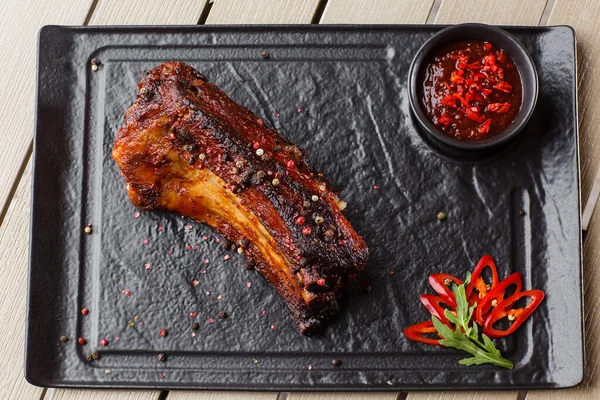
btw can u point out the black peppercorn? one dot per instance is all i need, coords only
(336, 363)
(222, 315)
(162, 357)
(96, 355)
(195, 325)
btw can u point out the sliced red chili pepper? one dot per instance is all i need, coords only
(518, 316)
(498, 293)
(479, 75)
(456, 78)
(475, 65)
(461, 98)
(433, 304)
(503, 87)
(444, 120)
(472, 95)
(501, 57)
(477, 282)
(499, 108)
(474, 116)
(449, 101)
(486, 92)
(441, 284)
(489, 60)
(417, 333)
(485, 127)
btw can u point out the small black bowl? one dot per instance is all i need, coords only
(479, 32)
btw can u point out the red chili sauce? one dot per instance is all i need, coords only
(472, 90)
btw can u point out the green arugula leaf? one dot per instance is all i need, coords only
(483, 352)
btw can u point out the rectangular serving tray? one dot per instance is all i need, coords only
(341, 93)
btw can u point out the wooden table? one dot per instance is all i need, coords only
(20, 21)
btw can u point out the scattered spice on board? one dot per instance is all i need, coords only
(195, 325)
(85, 311)
(96, 355)
(222, 315)
(336, 363)
(193, 314)
(145, 241)
(147, 266)
(126, 292)
(391, 272)
(164, 332)
(441, 216)
(309, 367)
(522, 213)
(103, 342)
(81, 341)
(136, 214)
(162, 357)
(248, 284)
(107, 371)
(64, 338)
(88, 229)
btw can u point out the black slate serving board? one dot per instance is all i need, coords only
(339, 92)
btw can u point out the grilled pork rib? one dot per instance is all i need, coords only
(188, 148)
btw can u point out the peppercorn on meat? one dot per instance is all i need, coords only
(187, 147)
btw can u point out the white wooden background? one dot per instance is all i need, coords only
(20, 21)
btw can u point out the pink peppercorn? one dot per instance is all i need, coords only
(306, 231)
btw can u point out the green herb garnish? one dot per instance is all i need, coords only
(465, 337)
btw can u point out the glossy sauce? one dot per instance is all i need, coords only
(472, 90)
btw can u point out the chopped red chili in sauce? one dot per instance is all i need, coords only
(472, 90)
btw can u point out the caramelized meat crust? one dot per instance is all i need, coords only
(187, 147)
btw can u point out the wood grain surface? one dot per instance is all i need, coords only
(55, 394)
(262, 11)
(343, 396)
(197, 395)
(147, 12)
(376, 12)
(20, 22)
(505, 12)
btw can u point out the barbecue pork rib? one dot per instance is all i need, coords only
(187, 147)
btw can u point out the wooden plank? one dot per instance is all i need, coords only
(20, 22)
(505, 12)
(14, 240)
(491, 395)
(583, 16)
(376, 12)
(262, 11)
(148, 12)
(185, 395)
(55, 394)
(343, 396)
